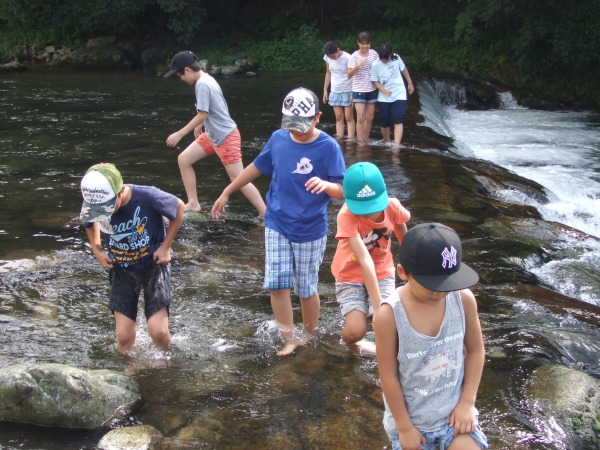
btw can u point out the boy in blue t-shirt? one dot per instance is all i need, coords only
(139, 249)
(307, 168)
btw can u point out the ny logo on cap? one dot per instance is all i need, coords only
(449, 256)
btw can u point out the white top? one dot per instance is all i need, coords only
(339, 73)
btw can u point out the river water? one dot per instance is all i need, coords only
(220, 385)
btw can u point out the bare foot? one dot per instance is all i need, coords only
(292, 345)
(361, 347)
(365, 347)
(193, 207)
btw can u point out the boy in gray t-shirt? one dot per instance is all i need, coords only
(429, 344)
(220, 135)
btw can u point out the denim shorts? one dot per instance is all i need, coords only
(443, 437)
(292, 264)
(365, 97)
(351, 295)
(125, 287)
(340, 99)
(230, 151)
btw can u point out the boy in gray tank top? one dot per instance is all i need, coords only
(429, 344)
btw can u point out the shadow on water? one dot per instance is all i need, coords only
(220, 385)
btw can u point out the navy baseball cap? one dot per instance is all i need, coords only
(431, 253)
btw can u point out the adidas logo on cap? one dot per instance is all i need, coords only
(366, 192)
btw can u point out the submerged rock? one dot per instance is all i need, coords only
(568, 399)
(142, 437)
(57, 395)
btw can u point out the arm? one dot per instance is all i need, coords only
(400, 230)
(248, 175)
(316, 186)
(198, 120)
(353, 70)
(463, 415)
(379, 86)
(367, 268)
(386, 344)
(411, 88)
(162, 255)
(93, 234)
(327, 81)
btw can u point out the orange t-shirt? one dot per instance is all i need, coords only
(376, 237)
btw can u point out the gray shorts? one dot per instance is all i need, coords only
(125, 287)
(352, 295)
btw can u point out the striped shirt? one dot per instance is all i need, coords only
(361, 81)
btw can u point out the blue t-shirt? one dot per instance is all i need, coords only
(137, 227)
(389, 74)
(292, 210)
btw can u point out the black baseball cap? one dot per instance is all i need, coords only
(180, 61)
(431, 253)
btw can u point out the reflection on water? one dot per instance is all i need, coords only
(219, 385)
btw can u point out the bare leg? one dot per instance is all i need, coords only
(463, 442)
(158, 328)
(339, 121)
(369, 116)
(385, 132)
(126, 331)
(360, 121)
(281, 303)
(355, 327)
(349, 112)
(355, 330)
(191, 155)
(311, 307)
(250, 191)
(398, 132)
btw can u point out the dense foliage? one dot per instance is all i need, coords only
(525, 43)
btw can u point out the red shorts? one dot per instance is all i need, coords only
(230, 151)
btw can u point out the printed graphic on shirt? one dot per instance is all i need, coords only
(371, 240)
(130, 241)
(439, 366)
(304, 166)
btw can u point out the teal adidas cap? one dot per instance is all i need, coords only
(364, 189)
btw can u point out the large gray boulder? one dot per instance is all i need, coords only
(56, 395)
(566, 399)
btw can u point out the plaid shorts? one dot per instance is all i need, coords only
(292, 264)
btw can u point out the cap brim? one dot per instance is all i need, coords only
(368, 206)
(300, 124)
(169, 73)
(463, 278)
(97, 212)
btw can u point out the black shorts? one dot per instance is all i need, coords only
(125, 286)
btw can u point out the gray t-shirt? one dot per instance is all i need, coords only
(209, 98)
(431, 368)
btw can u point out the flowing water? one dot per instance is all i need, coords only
(220, 385)
(558, 149)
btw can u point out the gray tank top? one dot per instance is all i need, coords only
(431, 368)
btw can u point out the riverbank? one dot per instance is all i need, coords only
(302, 51)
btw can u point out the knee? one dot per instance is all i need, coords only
(182, 160)
(161, 337)
(354, 332)
(125, 339)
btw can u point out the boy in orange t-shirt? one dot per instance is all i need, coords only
(363, 266)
